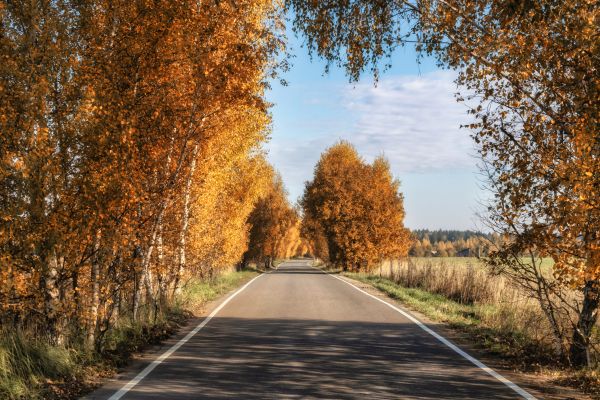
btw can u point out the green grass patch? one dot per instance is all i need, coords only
(27, 364)
(198, 292)
(547, 263)
(453, 261)
(435, 306)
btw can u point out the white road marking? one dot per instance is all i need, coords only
(445, 341)
(176, 346)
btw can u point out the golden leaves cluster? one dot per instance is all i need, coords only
(353, 211)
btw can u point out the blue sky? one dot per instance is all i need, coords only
(411, 117)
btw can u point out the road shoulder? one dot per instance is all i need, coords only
(537, 384)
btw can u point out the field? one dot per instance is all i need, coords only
(462, 261)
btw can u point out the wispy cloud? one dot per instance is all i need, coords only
(414, 120)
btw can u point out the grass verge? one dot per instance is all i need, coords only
(28, 366)
(492, 327)
(32, 368)
(197, 293)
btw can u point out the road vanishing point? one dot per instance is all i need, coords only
(300, 333)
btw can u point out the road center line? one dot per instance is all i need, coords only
(177, 345)
(445, 341)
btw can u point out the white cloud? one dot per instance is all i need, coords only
(414, 120)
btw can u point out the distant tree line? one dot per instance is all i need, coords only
(452, 243)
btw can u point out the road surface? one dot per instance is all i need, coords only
(300, 333)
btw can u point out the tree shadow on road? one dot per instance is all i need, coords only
(279, 358)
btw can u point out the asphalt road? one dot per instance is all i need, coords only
(300, 333)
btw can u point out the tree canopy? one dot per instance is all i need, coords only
(130, 153)
(353, 211)
(271, 223)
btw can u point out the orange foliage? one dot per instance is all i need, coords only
(354, 210)
(271, 225)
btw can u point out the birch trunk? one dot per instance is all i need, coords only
(162, 281)
(51, 296)
(137, 289)
(580, 344)
(145, 279)
(95, 300)
(184, 224)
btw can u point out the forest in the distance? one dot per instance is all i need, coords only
(452, 243)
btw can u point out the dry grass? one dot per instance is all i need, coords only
(462, 280)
